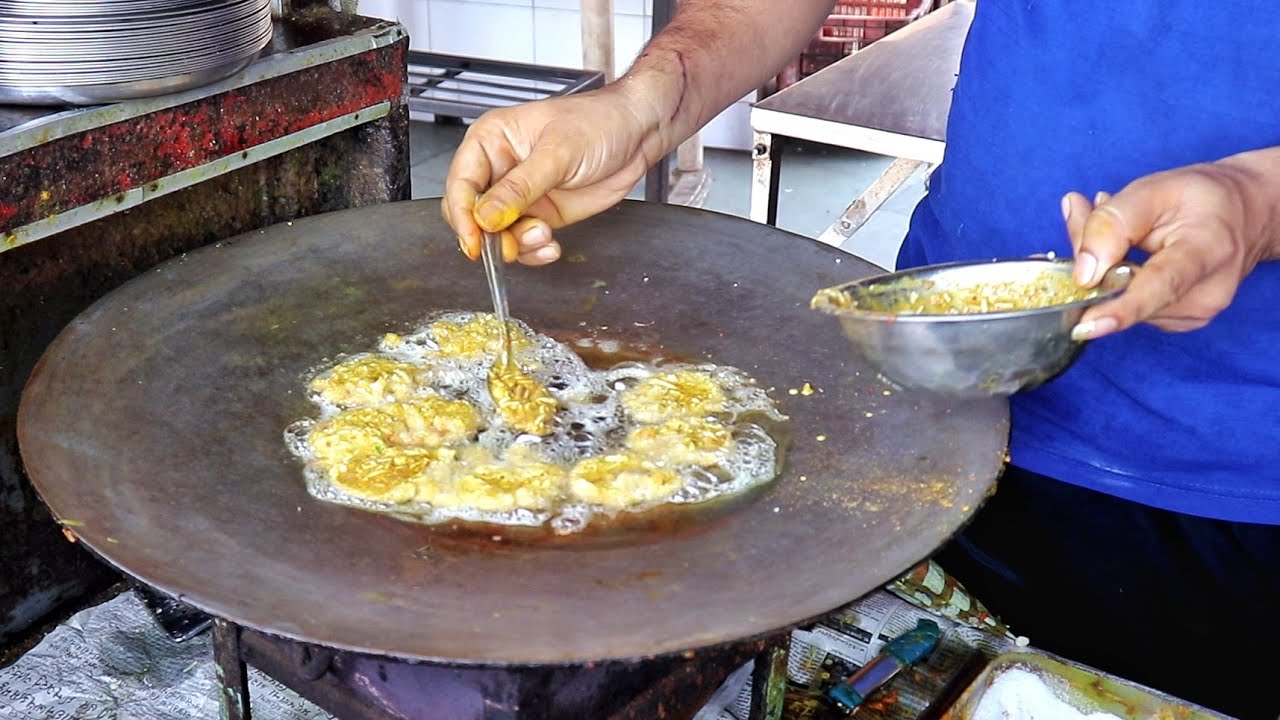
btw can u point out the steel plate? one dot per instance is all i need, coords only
(53, 94)
(153, 428)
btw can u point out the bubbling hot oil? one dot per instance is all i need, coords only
(599, 410)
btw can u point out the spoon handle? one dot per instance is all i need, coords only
(491, 254)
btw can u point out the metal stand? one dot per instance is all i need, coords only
(233, 674)
(362, 687)
(451, 86)
(891, 98)
(769, 684)
(861, 209)
(766, 169)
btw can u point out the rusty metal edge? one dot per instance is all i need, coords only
(183, 179)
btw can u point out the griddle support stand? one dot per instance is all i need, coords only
(769, 684)
(233, 675)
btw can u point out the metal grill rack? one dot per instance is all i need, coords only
(463, 87)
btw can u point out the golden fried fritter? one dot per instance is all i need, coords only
(669, 395)
(397, 439)
(682, 441)
(430, 421)
(522, 401)
(365, 381)
(622, 480)
(479, 336)
(392, 475)
(479, 481)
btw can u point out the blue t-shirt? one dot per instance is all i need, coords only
(1088, 95)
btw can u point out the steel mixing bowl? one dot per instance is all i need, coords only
(971, 353)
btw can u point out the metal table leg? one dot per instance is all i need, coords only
(233, 675)
(657, 182)
(769, 684)
(861, 209)
(766, 166)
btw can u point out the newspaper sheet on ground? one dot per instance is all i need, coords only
(113, 662)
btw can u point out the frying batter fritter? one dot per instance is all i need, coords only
(683, 441)
(427, 422)
(481, 482)
(669, 395)
(522, 402)
(391, 475)
(367, 380)
(622, 480)
(477, 337)
(390, 433)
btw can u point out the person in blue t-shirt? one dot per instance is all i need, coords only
(1137, 525)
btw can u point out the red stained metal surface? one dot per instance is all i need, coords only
(85, 167)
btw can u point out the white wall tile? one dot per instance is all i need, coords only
(623, 7)
(385, 9)
(557, 37)
(414, 15)
(546, 32)
(516, 3)
(628, 7)
(630, 33)
(482, 29)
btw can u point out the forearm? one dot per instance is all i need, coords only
(1256, 175)
(711, 54)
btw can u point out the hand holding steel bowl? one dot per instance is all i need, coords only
(969, 329)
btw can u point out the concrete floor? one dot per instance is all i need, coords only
(818, 182)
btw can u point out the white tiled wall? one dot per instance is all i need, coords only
(545, 32)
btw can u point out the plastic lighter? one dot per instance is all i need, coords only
(901, 652)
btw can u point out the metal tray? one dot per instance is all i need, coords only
(1082, 687)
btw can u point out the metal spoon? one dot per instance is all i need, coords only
(491, 255)
(521, 400)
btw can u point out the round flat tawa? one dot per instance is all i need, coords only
(153, 428)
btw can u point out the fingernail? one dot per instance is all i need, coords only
(1086, 266)
(493, 217)
(1066, 208)
(1091, 329)
(1101, 197)
(547, 253)
(534, 237)
(466, 250)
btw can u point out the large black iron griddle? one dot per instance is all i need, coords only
(153, 429)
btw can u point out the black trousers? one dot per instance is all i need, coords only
(1181, 604)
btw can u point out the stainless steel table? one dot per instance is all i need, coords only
(891, 98)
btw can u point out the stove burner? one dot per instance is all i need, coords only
(355, 686)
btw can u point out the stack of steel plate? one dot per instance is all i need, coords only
(95, 51)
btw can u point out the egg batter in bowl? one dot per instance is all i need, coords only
(410, 429)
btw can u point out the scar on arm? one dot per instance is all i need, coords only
(682, 69)
(684, 85)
